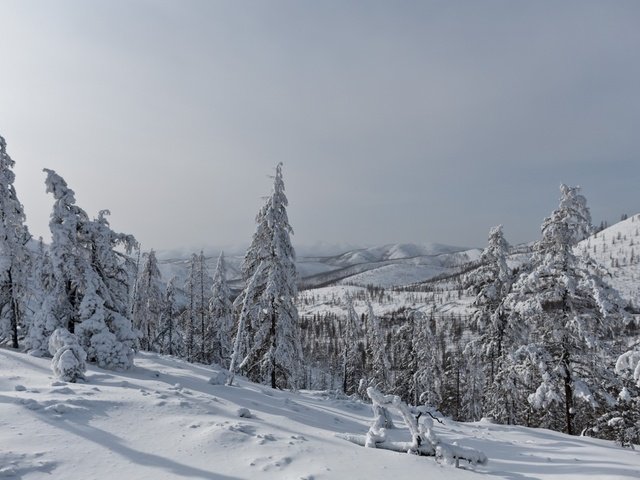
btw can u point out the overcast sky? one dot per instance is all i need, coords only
(396, 121)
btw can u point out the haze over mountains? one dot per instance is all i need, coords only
(387, 265)
(616, 249)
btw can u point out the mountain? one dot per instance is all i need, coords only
(387, 266)
(164, 419)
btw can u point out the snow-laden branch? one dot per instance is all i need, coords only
(424, 440)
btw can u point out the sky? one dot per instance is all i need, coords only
(403, 121)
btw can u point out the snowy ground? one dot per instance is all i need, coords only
(163, 420)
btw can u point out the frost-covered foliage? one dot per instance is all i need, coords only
(68, 363)
(248, 310)
(492, 280)
(14, 256)
(105, 329)
(270, 328)
(352, 351)
(421, 376)
(565, 314)
(490, 284)
(628, 365)
(379, 365)
(170, 338)
(221, 314)
(424, 441)
(88, 287)
(199, 329)
(622, 421)
(149, 303)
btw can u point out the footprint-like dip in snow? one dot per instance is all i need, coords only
(269, 463)
(17, 465)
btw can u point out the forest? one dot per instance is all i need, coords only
(545, 340)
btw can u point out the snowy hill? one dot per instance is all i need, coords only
(617, 250)
(388, 265)
(164, 420)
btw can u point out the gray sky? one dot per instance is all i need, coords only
(396, 121)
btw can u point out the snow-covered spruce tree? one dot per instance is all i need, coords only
(149, 303)
(622, 421)
(170, 337)
(221, 314)
(491, 283)
(200, 336)
(14, 256)
(44, 300)
(248, 310)
(569, 314)
(107, 335)
(69, 259)
(379, 365)
(84, 295)
(419, 360)
(272, 332)
(352, 350)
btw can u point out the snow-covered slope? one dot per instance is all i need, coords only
(617, 250)
(163, 420)
(404, 271)
(388, 265)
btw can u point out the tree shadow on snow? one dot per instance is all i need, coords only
(115, 444)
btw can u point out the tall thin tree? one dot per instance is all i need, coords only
(273, 353)
(14, 255)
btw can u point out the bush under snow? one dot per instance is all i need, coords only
(68, 361)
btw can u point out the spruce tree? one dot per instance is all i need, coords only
(221, 314)
(380, 368)
(14, 256)
(352, 350)
(271, 331)
(490, 282)
(87, 290)
(567, 314)
(621, 421)
(149, 303)
(170, 337)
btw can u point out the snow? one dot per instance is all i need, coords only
(162, 419)
(617, 250)
(388, 265)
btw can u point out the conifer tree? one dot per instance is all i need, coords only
(14, 256)
(570, 314)
(221, 314)
(170, 338)
(352, 350)
(380, 368)
(271, 331)
(491, 283)
(199, 338)
(621, 421)
(88, 290)
(105, 329)
(149, 302)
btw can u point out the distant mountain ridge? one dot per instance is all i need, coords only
(381, 265)
(616, 249)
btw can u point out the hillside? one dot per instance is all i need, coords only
(388, 265)
(617, 250)
(164, 420)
